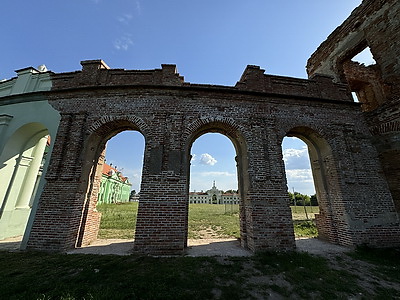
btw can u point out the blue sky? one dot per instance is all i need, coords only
(213, 158)
(209, 41)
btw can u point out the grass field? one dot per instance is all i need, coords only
(118, 220)
(268, 275)
(205, 221)
(298, 212)
(289, 275)
(304, 227)
(213, 221)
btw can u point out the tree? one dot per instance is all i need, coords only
(231, 192)
(291, 198)
(314, 200)
(297, 199)
(132, 195)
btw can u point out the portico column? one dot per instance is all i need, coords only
(4, 121)
(31, 174)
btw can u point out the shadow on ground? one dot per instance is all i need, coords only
(105, 247)
(11, 244)
(216, 247)
(202, 247)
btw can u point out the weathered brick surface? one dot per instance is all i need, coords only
(375, 24)
(256, 115)
(354, 147)
(90, 221)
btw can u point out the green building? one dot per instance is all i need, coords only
(28, 126)
(114, 187)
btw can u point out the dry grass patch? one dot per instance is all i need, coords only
(205, 221)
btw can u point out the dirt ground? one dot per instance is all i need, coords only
(196, 247)
(210, 247)
(201, 247)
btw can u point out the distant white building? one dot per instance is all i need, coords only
(214, 196)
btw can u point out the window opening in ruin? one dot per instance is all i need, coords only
(213, 192)
(364, 79)
(119, 192)
(365, 57)
(355, 97)
(301, 191)
(23, 163)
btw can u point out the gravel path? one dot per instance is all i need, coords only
(216, 247)
(211, 247)
(11, 244)
(201, 247)
(319, 247)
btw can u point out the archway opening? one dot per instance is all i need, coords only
(325, 177)
(214, 198)
(119, 192)
(364, 57)
(23, 163)
(362, 73)
(301, 191)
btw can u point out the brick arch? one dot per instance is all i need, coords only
(93, 159)
(226, 126)
(236, 133)
(315, 130)
(100, 131)
(311, 133)
(391, 126)
(105, 128)
(110, 121)
(326, 181)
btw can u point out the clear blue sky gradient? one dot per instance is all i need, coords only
(209, 41)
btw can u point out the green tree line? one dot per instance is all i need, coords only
(297, 198)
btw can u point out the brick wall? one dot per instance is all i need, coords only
(374, 24)
(256, 114)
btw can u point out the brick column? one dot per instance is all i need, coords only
(162, 214)
(369, 215)
(59, 212)
(90, 223)
(268, 215)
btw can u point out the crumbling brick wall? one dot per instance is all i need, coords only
(374, 24)
(97, 103)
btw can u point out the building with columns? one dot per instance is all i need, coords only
(27, 123)
(114, 187)
(213, 196)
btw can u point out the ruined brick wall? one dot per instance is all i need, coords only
(97, 103)
(90, 222)
(374, 24)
